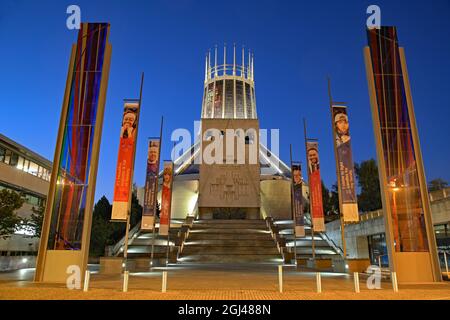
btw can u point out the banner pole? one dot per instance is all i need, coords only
(125, 250)
(130, 198)
(309, 185)
(168, 246)
(341, 213)
(156, 189)
(292, 207)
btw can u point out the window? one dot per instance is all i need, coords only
(2, 154)
(14, 159)
(20, 163)
(7, 156)
(26, 163)
(33, 169)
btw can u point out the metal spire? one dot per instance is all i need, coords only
(216, 73)
(253, 65)
(234, 59)
(209, 64)
(249, 66)
(224, 59)
(206, 68)
(243, 62)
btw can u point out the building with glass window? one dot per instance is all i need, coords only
(27, 173)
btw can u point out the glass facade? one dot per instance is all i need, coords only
(229, 99)
(69, 199)
(21, 163)
(377, 250)
(248, 101)
(29, 198)
(402, 190)
(218, 99)
(239, 100)
(209, 100)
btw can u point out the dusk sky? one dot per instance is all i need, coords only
(296, 45)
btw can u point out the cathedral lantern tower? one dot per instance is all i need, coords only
(230, 178)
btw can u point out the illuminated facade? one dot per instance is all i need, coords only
(259, 189)
(404, 191)
(67, 222)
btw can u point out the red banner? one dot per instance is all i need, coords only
(315, 186)
(125, 160)
(166, 198)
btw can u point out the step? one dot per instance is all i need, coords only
(229, 230)
(218, 221)
(228, 236)
(228, 250)
(146, 249)
(231, 242)
(150, 242)
(306, 243)
(232, 258)
(229, 226)
(318, 251)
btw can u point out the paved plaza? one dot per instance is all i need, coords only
(216, 283)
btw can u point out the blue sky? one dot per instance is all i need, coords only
(296, 45)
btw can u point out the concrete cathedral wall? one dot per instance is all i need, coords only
(276, 199)
(230, 185)
(355, 235)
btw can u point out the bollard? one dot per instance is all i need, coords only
(356, 279)
(86, 281)
(318, 282)
(394, 281)
(280, 278)
(164, 282)
(125, 281)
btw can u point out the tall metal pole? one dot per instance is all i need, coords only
(125, 253)
(292, 206)
(156, 188)
(125, 250)
(341, 213)
(310, 204)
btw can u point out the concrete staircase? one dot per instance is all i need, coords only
(284, 235)
(230, 242)
(140, 246)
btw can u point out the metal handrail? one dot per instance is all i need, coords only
(379, 259)
(121, 243)
(330, 242)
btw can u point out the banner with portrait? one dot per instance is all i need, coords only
(151, 184)
(315, 186)
(127, 147)
(297, 200)
(345, 165)
(166, 198)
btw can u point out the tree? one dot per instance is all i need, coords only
(330, 201)
(326, 199)
(437, 184)
(136, 210)
(101, 227)
(36, 220)
(370, 197)
(10, 201)
(334, 200)
(104, 232)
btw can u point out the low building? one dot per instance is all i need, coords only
(27, 173)
(367, 239)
